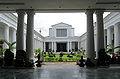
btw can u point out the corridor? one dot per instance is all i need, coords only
(60, 72)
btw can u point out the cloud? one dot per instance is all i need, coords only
(44, 21)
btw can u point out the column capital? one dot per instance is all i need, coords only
(6, 26)
(99, 11)
(20, 11)
(12, 28)
(89, 11)
(117, 24)
(108, 28)
(30, 12)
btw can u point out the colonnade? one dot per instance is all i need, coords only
(90, 33)
(69, 46)
(116, 36)
(53, 46)
(114, 29)
(30, 32)
(7, 30)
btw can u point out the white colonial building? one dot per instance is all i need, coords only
(111, 32)
(8, 28)
(61, 38)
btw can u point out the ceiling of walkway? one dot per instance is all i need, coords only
(59, 5)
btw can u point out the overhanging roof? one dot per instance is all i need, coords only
(59, 5)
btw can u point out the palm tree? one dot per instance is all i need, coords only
(10, 45)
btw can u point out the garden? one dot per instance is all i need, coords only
(61, 57)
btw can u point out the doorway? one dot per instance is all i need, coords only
(61, 47)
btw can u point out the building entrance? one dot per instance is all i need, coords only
(61, 47)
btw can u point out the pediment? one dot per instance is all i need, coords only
(61, 25)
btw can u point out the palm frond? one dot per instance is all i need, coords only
(13, 43)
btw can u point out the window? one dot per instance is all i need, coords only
(61, 32)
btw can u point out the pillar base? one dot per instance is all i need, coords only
(22, 61)
(29, 63)
(103, 59)
(90, 63)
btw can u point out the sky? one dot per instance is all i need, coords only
(43, 21)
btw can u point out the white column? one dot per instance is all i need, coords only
(105, 42)
(116, 36)
(100, 31)
(20, 30)
(13, 35)
(44, 47)
(14, 38)
(52, 46)
(68, 46)
(78, 45)
(90, 34)
(71, 46)
(24, 40)
(35, 43)
(38, 44)
(6, 32)
(30, 34)
(109, 36)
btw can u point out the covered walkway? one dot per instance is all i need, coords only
(61, 72)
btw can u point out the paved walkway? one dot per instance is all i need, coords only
(60, 72)
(60, 63)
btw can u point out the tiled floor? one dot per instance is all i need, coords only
(61, 72)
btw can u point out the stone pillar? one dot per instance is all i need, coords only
(68, 46)
(13, 35)
(14, 38)
(34, 44)
(105, 42)
(44, 47)
(6, 32)
(52, 46)
(71, 46)
(37, 44)
(116, 36)
(78, 45)
(55, 47)
(20, 30)
(90, 34)
(30, 34)
(100, 31)
(109, 36)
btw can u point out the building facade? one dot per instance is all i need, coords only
(61, 38)
(8, 28)
(111, 32)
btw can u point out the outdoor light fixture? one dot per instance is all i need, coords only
(12, 3)
(107, 2)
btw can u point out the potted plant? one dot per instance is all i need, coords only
(10, 45)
